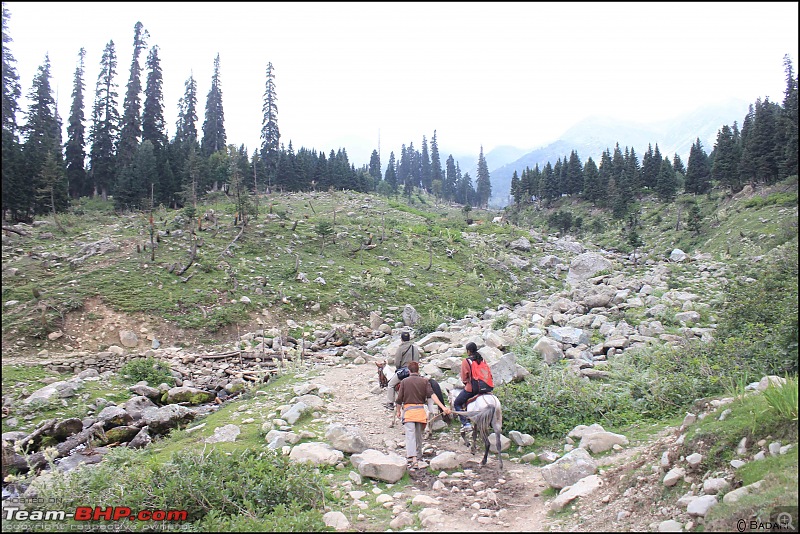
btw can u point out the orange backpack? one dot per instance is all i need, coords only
(481, 377)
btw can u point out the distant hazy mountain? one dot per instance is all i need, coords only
(593, 135)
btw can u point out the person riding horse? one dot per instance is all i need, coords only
(477, 379)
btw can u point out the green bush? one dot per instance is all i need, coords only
(760, 317)
(153, 371)
(782, 401)
(250, 490)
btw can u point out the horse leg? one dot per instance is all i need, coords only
(497, 429)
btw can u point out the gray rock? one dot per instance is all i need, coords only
(163, 419)
(582, 488)
(315, 453)
(128, 339)
(141, 440)
(673, 476)
(346, 439)
(521, 243)
(585, 266)
(712, 486)
(678, 256)
(694, 459)
(66, 428)
(568, 469)
(410, 315)
(701, 505)
(670, 525)
(445, 460)
(601, 441)
(375, 464)
(520, 439)
(136, 405)
(191, 395)
(225, 433)
(549, 349)
(336, 520)
(112, 416)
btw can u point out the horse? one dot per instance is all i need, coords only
(483, 410)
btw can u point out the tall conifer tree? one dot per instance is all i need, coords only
(131, 128)
(12, 179)
(483, 183)
(76, 135)
(214, 138)
(270, 134)
(105, 125)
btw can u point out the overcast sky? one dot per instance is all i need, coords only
(480, 74)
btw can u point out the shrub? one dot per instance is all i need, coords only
(500, 322)
(153, 371)
(249, 490)
(782, 401)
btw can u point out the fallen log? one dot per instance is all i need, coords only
(42, 428)
(39, 460)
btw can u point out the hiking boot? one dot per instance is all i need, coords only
(389, 406)
(466, 427)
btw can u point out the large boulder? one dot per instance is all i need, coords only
(163, 419)
(136, 405)
(602, 441)
(569, 335)
(57, 390)
(569, 469)
(585, 266)
(410, 315)
(316, 453)
(506, 370)
(550, 350)
(112, 416)
(375, 464)
(189, 394)
(346, 439)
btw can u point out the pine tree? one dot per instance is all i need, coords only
(153, 124)
(375, 167)
(269, 130)
(698, 174)
(677, 164)
(391, 175)
(667, 182)
(42, 133)
(574, 174)
(633, 170)
(214, 138)
(131, 128)
(12, 177)
(105, 125)
(426, 170)
(483, 184)
(449, 188)
(75, 147)
(592, 188)
(763, 146)
(725, 169)
(789, 121)
(516, 190)
(548, 184)
(186, 126)
(650, 169)
(436, 165)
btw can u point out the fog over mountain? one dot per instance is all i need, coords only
(593, 135)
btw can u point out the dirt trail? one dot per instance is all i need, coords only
(518, 488)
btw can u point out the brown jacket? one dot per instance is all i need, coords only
(466, 374)
(414, 390)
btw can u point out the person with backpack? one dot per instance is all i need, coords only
(477, 379)
(407, 352)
